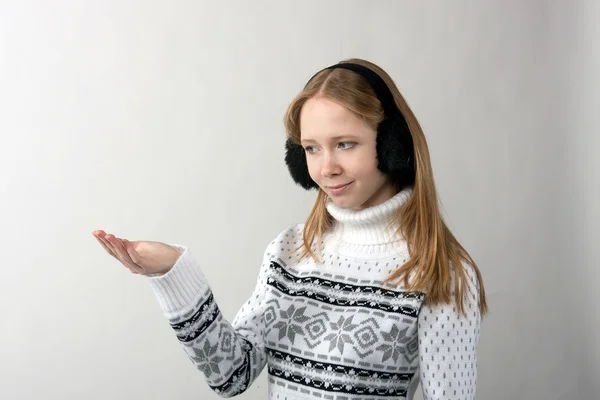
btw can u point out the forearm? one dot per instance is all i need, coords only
(229, 358)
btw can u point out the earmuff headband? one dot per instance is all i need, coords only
(381, 89)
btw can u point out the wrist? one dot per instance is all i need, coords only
(174, 256)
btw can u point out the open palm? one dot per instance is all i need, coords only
(140, 257)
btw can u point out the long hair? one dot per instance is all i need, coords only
(436, 257)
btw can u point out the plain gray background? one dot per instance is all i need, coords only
(162, 120)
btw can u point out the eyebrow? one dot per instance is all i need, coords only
(335, 138)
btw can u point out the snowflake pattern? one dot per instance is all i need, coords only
(339, 337)
(206, 359)
(395, 345)
(339, 327)
(291, 322)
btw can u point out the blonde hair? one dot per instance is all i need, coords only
(435, 254)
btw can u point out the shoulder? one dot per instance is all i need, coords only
(470, 274)
(286, 242)
(468, 285)
(291, 232)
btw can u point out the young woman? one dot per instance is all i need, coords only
(367, 298)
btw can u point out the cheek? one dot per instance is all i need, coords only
(313, 170)
(364, 166)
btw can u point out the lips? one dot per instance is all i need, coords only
(339, 186)
(338, 189)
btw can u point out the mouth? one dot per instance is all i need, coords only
(338, 188)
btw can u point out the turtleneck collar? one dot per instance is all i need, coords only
(366, 231)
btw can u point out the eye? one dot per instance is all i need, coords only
(349, 145)
(309, 149)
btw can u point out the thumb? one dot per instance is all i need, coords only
(135, 256)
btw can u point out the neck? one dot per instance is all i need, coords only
(367, 231)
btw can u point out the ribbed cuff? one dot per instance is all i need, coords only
(179, 288)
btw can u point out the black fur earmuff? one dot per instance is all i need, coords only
(395, 151)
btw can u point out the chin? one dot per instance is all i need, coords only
(344, 202)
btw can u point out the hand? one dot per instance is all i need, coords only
(141, 257)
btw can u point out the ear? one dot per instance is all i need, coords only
(295, 159)
(395, 151)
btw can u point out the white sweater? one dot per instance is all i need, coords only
(329, 331)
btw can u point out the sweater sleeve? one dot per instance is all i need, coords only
(229, 356)
(448, 344)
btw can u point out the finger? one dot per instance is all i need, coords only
(105, 246)
(133, 254)
(119, 245)
(124, 256)
(110, 246)
(105, 240)
(114, 245)
(109, 240)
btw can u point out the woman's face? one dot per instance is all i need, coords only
(341, 154)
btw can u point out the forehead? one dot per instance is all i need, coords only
(322, 118)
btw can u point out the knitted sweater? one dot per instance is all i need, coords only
(331, 330)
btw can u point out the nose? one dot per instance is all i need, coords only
(330, 166)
